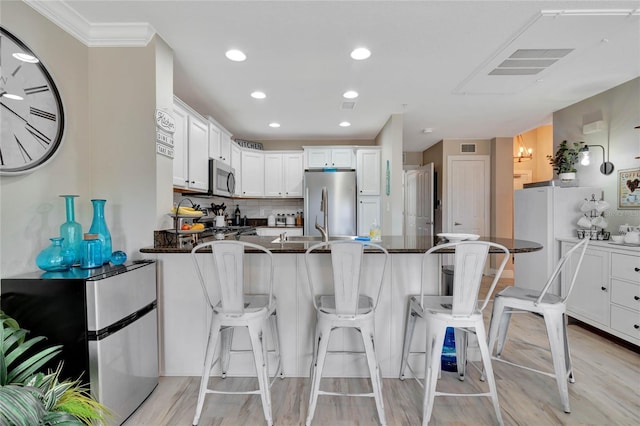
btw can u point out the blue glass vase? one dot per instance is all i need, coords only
(99, 226)
(55, 257)
(71, 230)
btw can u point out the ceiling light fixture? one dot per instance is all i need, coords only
(235, 55)
(345, 124)
(606, 168)
(360, 53)
(274, 125)
(258, 95)
(524, 153)
(350, 94)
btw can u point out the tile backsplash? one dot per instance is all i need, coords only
(253, 208)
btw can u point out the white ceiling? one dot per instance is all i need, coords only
(430, 61)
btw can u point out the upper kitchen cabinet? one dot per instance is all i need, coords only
(191, 149)
(368, 171)
(283, 174)
(321, 157)
(219, 142)
(252, 173)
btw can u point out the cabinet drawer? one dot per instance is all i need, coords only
(626, 294)
(625, 321)
(625, 266)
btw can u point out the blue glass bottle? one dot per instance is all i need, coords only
(55, 257)
(91, 252)
(448, 358)
(71, 230)
(99, 226)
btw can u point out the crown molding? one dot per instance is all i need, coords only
(136, 34)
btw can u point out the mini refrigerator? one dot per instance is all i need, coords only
(542, 214)
(106, 320)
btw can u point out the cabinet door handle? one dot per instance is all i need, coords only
(636, 326)
(636, 269)
(603, 288)
(636, 297)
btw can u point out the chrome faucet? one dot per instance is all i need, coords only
(324, 207)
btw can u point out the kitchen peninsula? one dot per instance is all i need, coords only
(183, 317)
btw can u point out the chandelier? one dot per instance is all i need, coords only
(524, 153)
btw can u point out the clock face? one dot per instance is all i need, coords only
(30, 109)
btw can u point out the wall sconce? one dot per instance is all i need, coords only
(606, 168)
(524, 153)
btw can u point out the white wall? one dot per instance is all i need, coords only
(620, 108)
(390, 141)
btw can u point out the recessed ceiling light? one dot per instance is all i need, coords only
(274, 125)
(235, 55)
(26, 58)
(350, 94)
(258, 95)
(345, 124)
(360, 53)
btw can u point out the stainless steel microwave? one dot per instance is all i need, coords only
(222, 181)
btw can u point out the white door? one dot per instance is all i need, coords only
(418, 196)
(468, 194)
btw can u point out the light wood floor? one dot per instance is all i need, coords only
(606, 392)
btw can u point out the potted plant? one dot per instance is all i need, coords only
(564, 161)
(29, 397)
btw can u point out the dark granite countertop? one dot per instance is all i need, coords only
(394, 244)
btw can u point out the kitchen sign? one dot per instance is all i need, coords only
(165, 128)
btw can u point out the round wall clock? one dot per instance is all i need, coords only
(30, 108)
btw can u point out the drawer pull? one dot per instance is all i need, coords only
(636, 269)
(636, 297)
(636, 326)
(603, 288)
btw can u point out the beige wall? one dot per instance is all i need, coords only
(109, 96)
(502, 191)
(620, 108)
(541, 141)
(435, 155)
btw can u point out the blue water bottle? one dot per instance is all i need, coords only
(448, 358)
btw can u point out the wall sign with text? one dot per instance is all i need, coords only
(165, 128)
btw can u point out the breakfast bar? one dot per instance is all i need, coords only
(183, 317)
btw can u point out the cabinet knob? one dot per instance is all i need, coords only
(636, 297)
(603, 288)
(636, 326)
(636, 269)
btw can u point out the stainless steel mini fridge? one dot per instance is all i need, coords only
(106, 320)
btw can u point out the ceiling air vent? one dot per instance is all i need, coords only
(468, 147)
(529, 61)
(348, 105)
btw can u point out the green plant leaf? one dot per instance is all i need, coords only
(31, 366)
(20, 406)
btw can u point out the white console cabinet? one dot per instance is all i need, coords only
(607, 290)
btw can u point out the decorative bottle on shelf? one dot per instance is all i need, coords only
(237, 216)
(91, 252)
(99, 226)
(71, 230)
(55, 257)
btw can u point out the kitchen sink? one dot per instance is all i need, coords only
(311, 238)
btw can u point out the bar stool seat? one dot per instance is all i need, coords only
(255, 312)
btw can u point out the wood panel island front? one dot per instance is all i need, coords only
(184, 318)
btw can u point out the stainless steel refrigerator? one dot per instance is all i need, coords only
(542, 214)
(341, 195)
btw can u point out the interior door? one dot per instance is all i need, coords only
(468, 194)
(418, 198)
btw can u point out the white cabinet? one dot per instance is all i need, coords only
(236, 165)
(219, 143)
(191, 149)
(252, 173)
(342, 158)
(368, 212)
(273, 177)
(180, 140)
(368, 171)
(607, 290)
(283, 174)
